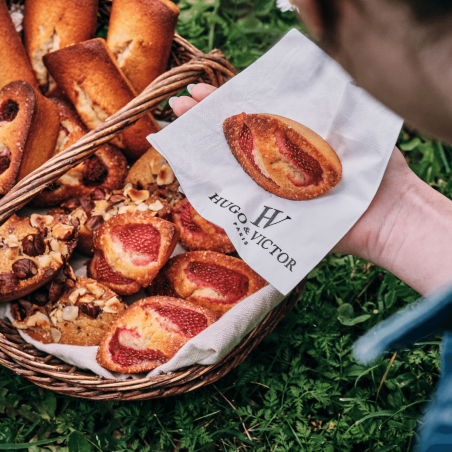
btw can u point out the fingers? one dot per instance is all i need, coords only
(181, 105)
(201, 91)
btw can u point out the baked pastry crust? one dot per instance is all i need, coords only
(140, 35)
(283, 156)
(32, 251)
(205, 278)
(107, 167)
(136, 244)
(50, 25)
(90, 77)
(150, 332)
(14, 60)
(104, 204)
(28, 132)
(80, 316)
(99, 270)
(196, 233)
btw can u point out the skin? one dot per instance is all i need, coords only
(407, 227)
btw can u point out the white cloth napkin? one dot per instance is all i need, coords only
(295, 79)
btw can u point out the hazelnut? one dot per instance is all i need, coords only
(39, 221)
(126, 209)
(56, 256)
(116, 198)
(88, 298)
(94, 223)
(62, 231)
(138, 196)
(87, 205)
(39, 297)
(8, 281)
(165, 175)
(113, 305)
(33, 245)
(70, 313)
(38, 319)
(12, 241)
(71, 204)
(156, 206)
(68, 271)
(80, 215)
(95, 290)
(91, 310)
(73, 297)
(142, 207)
(54, 245)
(25, 268)
(100, 193)
(56, 290)
(44, 261)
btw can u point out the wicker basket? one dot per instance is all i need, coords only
(188, 65)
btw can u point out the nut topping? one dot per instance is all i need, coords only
(137, 196)
(62, 231)
(156, 206)
(87, 205)
(56, 290)
(56, 335)
(24, 268)
(88, 298)
(40, 221)
(95, 290)
(165, 175)
(100, 193)
(70, 313)
(33, 245)
(12, 241)
(39, 319)
(157, 161)
(113, 305)
(8, 281)
(44, 261)
(90, 310)
(116, 198)
(94, 223)
(71, 204)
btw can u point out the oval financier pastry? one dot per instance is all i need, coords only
(283, 156)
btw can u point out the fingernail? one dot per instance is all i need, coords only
(190, 87)
(171, 101)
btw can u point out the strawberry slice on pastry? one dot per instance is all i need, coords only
(150, 332)
(283, 156)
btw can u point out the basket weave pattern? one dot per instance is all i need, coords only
(189, 65)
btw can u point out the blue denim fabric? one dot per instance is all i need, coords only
(409, 325)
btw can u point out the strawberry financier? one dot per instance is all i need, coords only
(212, 280)
(283, 156)
(137, 244)
(150, 332)
(196, 233)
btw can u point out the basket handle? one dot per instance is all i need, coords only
(213, 68)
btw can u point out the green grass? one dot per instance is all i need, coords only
(300, 390)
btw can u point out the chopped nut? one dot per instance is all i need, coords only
(38, 319)
(113, 305)
(73, 297)
(157, 161)
(156, 206)
(56, 334)
(37, 221)
(88, 298)
(94, 223)
(70, 313)
(44, 261)
(62, 231)
(127, 187)
(137, 196)
(100, 193)
(87, 205)
(165, 175)
(142, 207)
(95, 290)
(107, 216)
(8, 281)
(91, 310)
(80, 215)
(12, 241)
(54, 245)
(116, 198)
(59, 315)
(125, 209)
(56, 256)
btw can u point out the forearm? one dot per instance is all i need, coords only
(411, 238)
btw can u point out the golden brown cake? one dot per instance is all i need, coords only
(13, 57)
(104, 204)
(283, 156)
(75, 314)
(32, 251)
(205, 278)
(140, 35)
(89, 76)
(196, 233)
(150, 332)
(137, 244)
(50, 25)
(107, 167)
(28, 132)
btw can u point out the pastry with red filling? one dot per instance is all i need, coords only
(196, 233)
(283, 156)
(136, 245)
(107, 167)
(104, 204)
(74, 312)
(150, 332)
(212, 280)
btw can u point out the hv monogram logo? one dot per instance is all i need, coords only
(267, 218)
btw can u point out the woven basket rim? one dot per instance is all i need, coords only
(47, 371)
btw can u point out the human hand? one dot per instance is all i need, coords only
(406, 229)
